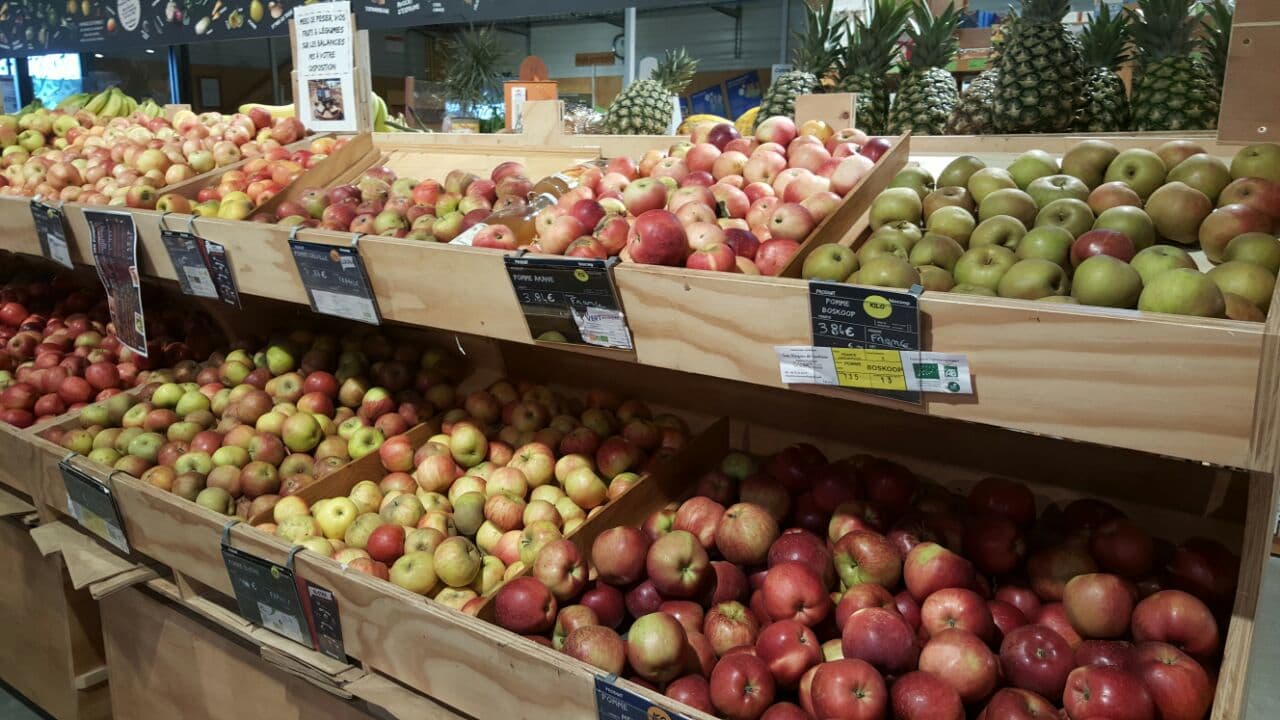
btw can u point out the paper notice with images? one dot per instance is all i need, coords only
(324, 62)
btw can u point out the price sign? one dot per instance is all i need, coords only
(267, 594)
(336, 281)
(189, 264)
(93, 505)
(51, 229)
(614, 702)
(868, 331)
(114, 239)
(224, 281)
(570, 300)
(326, 627)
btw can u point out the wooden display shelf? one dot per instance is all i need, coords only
(51, 650)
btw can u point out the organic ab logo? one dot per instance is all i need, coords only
(656, 713)
(275, 573)
(877, 307)
(580, 274)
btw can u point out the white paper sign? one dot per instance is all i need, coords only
(929, 372)
(324, 61)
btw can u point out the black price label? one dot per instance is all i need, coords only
(93, 505)
(336, 281)
(849, 316)
(569, 300)
(51, 229)
(189, 263)
(326, 626)
(115, 253)
(267, 595)
(618, 703)
(224, 280)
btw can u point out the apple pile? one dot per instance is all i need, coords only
(802, 588)
(125, 161)
(237, 192)
(66, 356)
(516, 469)
(1102, 227)
(240, 431)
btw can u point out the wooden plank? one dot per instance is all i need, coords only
(1011, 145)
(17, 226)
(19, 460)
(1250, 97)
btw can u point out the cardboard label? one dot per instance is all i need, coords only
(617, 703)
(336, 281)
(51, 229)
(224, 280)
(571, 300)
(188, 263)
(267, 595)
(326, 626)
(93, 506)
(114, 239)
(867, 328)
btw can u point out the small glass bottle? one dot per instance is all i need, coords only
(562, 182)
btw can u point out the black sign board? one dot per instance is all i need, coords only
(114, 239)
(267, 594)
(336, 281)
(852, 317)
(617, 703)
(51, 229)
(570, 300)
(220, 270)
(93, 505)
(326, 626)
(189, 263)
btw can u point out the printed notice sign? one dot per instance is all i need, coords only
(569, 300)
(114, 239)
(324, 60)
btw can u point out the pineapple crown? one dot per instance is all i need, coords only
(1217, 35)
(1164, 28)
(675, 72)
(818, 46)
(872, 45)
(1105, 39)
(1045, 11)
(934, 38)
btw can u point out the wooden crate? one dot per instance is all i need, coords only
(51, 650)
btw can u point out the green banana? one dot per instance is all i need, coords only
(96, 104)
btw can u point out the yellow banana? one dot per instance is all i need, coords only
(115, 103)
(695, 120)
(276, 111)
(746, 123)
(96, 104)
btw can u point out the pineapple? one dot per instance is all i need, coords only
(1173, 89)
(972, 114)
(927, 91)
(644, 106)
(1041, 72)
(813, 58)
(869, 56)
(1104, 105)
(1217, 33)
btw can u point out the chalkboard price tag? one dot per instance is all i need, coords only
(188, 263)
(614, 702)
(336, 281)
(267, 594)
(569, 300)
(93, 505)
(326, 626)
(224, 280)
(51, 229)
(868, 330)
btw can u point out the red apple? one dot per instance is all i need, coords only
(656, 646)
(678, 565)
(1177, 618)
(657, 238)
(849, 689)
(1179, 687)
(961, 608)
(1009, 498)
(745, 533)
(729, 625)
(922, 695)
(1098, 691)
(1116, 653)
(964, 661)
(1102, 242)
(525, 606)
(1017, 704)
(1035, 658)
(618, 555)
(867, 557)
(882, 638)
(930, 567)
(1123, 548)
(1098, 605)
(793, 591)
(790, 648)
(741, 687)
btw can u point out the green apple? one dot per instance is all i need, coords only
(938, 250)
(279, 360)
(1239, 308)
(1177, 209)
(1047, 242)
(1068, 213)
(829, 262)
(1032, 164)
(1183, 291)
(1251, 282)
(954, 222)
(967, 289)
(1033, 279)
(896, 203)
(935, 278)
(217, 500)
(1009, 202)
(1106, 281)
(125, 437)
(1059, 299)
(984, 266)
(908, 232)
(1088, 161)
(879, 245)
(230, 455)
(1131, 221)
(366, 440)
(1261, 160)
(954, 195)
(1140, 169)
(1151, 261)
(1255, 247)
(1055, 187)
(888, 271)
(958, 171)
(914, 177)
(1003, 230)
(987, 180)
(191, 401)
(1175, 151)
(167, 395)
(1203, 172)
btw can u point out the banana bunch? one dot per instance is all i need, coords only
(275, 111)
(151, 108)
(72, 103)
(111, 103)
(746, 122)
(381, 121)
(693, 121)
